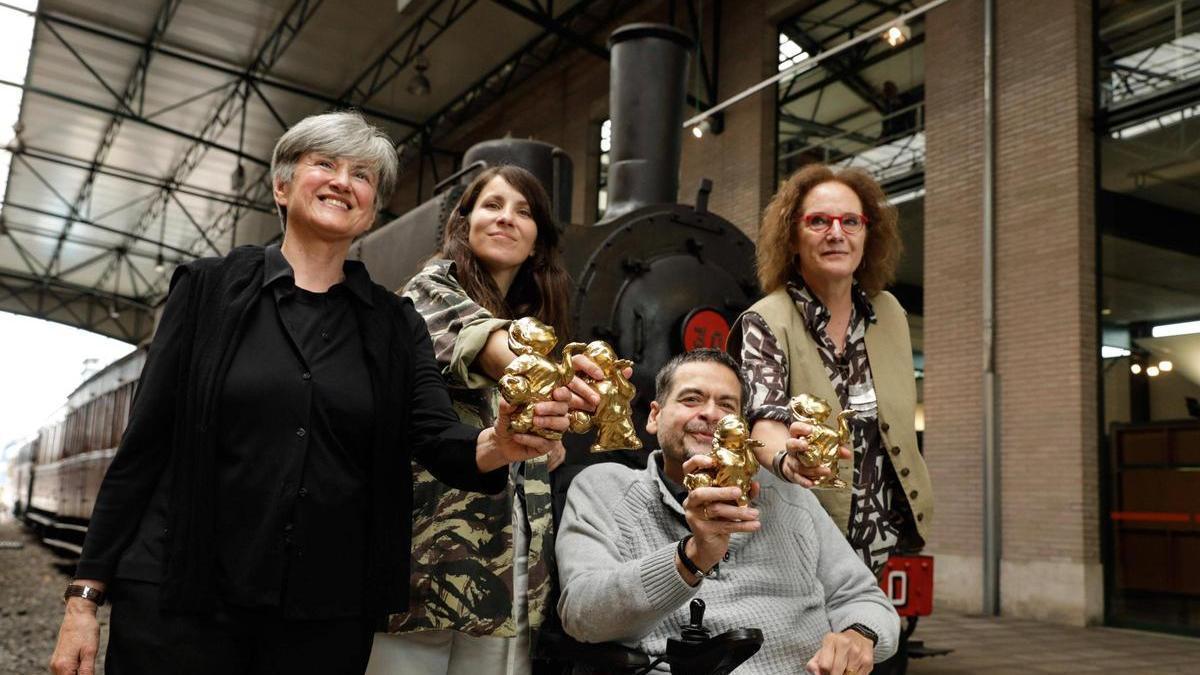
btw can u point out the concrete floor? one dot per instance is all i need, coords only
(997, 646)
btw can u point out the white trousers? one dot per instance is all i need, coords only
(448, 652)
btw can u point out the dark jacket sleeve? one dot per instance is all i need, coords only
(440, 442)
(145, 446)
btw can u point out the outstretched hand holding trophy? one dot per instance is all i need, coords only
(534, 375)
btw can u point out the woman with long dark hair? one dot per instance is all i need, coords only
(481, 563)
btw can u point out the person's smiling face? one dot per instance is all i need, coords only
(502, 230)
(702, 392)
(332, 198)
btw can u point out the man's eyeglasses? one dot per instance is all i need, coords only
(852, 223)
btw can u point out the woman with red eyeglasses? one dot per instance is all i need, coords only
(827, 247)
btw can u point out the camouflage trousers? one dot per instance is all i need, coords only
(462, 560)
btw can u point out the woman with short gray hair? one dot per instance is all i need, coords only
(249, 522)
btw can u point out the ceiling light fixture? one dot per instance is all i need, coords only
(1166, 366)
(897, 34)
(713, 124)
(1135, 368)
(420, 85)
(1172, 329)
(237, 180)
(1152, 371)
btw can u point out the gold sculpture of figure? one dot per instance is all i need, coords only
(733, 456)
(823, 442)
(614, 414)
(532, 377)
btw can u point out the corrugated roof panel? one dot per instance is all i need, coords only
(206, 46)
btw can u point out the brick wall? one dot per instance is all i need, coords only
(1046, 343)
(953, 286)
(1047, 349)
(740, 161)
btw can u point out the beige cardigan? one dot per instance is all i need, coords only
(889, 350)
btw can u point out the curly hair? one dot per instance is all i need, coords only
(542, 286)
(777, 243)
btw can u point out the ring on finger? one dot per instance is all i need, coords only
(706, 516)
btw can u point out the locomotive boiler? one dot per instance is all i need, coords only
(653, 277)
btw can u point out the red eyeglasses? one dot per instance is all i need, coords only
(852, 223)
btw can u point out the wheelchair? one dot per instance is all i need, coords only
(695, 652)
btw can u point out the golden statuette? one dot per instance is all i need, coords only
(532, 377)
(823, 442)
(613, 418)
(733, 456)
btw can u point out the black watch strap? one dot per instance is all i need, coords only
(86, 592)
(865, 632)
(691, 566)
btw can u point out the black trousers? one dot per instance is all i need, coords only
(234, 641)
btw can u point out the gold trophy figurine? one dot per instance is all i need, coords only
(532, 377)
(733, 454)
(823, 442)
(614, 415)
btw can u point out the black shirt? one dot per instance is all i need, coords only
(293, 447)
(677, 491)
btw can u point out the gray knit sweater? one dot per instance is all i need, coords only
(796, 579)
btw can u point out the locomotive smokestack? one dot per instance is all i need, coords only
(648, 83)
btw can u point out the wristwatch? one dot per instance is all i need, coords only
(86, 592)
(865, 632)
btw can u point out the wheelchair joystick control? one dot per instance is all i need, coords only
(697, 652)
(695, 632)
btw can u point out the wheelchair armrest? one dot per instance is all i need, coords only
(718, 655)
(608, 657)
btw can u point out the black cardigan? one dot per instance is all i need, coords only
(169, 436)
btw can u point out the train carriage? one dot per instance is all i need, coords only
(71, 455)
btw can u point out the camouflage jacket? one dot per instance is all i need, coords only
(462, 560)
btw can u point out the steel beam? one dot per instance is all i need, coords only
(862, 65)
(825, 130)
(211, 64)
(79, 241)
(65, 98)
(134, 91)
(550, 25)
(76, 306)
(844, 68)
(518, 67)
(105, 228)
(403, 51)
(711, 80)
(228, 109)
(60, 159)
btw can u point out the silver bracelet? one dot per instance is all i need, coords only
(777, 465)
